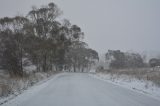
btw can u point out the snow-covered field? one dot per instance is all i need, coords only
(141, 86)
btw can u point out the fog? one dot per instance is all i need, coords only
(107, 24)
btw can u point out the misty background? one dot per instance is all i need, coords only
(41, 47)
(128, 25)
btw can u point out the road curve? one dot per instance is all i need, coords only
(78, 89)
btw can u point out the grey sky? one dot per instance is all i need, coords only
(108, 24)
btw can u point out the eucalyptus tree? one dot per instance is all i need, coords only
(12, 46)
(43, 41)
(44, 27)
(55, 36)
(80, 57)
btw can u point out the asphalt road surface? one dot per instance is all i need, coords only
(80, 89)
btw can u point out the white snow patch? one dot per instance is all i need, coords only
(92, 71)
(142, 86)
(30, 68)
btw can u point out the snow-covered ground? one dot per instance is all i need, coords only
(141, 86)
(80, 89)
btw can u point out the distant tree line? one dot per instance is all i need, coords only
(41, 40)
(154, 62)
(119, 60)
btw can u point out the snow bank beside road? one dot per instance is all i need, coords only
(21, 85)
(141, 86)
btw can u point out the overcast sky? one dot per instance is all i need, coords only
(107, 24)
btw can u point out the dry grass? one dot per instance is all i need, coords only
(4, 90)
(142, 74)
(10, 85)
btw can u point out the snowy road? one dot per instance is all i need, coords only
(77, 89)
